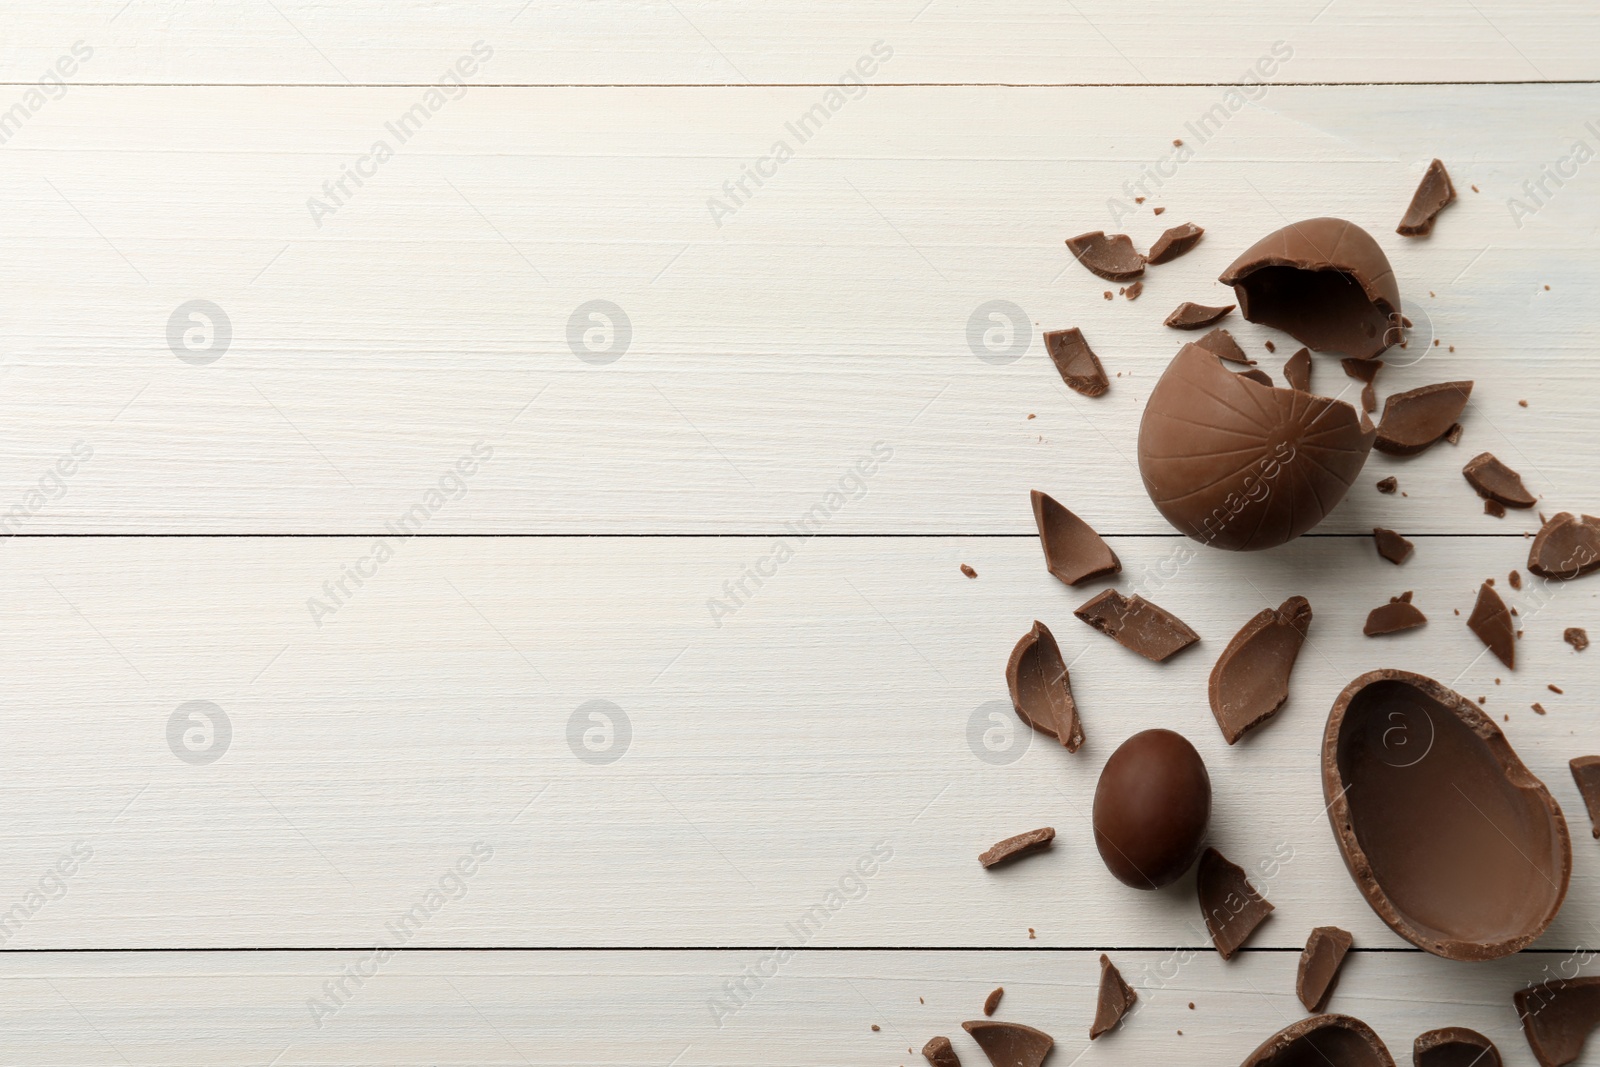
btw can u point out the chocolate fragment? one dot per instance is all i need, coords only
(1417, 418)
(1391, 546)
(1174, 243)
(1132, 292)
(1538, 709)
(1492, 623)
(1116, 999)
(1256, 374)
(968, 571)
(1447, 834)
(1566, 547)
(1322, 1041)
(1454, 1046)
(1230, 904)
(1319, 966)
(1453, 434)
(1515, 579)
(1323, 281)
(1113, 257)
(1297, 371)
(1433, 193)
(1495, 508)
(1366, 372)
(1558, 1016)
(1041, 690)
(1388, 485)
(1586, 772)
(1010, 1044)
(1076, 362)
(1232, 463)
(1191, 316)
(1220, 343)
(1251, 679)
(1073, 552)
(1151, 807)
(1014, 848)
(1398, 614)
(1137, 624)
(939, 1053)
(1495, 481)
(992, 1001)
(1577, 637)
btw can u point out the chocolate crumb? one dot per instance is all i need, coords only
(992, 1001)
(1388, 485)
(1191, 1005)
(1474, 188)
(1555, 688)
(968, 571)
(1271, 347)
(1538, 707)
(1132, 292)
(1453, 434)
(1577, 637)
(1177, 142)
(1031, 934)
(1160, 210)
(875, 1028)
(1522, 403)
(1495, 508)
(1107, 294)
(1033, 416)
(1515, 578)
(1014, 848)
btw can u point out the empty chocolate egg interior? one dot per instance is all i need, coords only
(1330, 1045)
(1326, 309)
(1461, 853)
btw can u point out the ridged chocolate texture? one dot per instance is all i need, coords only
(1240, 465)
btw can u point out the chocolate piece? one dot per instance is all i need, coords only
(1417, 418)
(1433, 193)
(992, 1001)
(1453, 434)
(1132, 292)
(1514, 578)
(1235, 464)
(1151, 807)
(1398, 614)
(939, 1053)
(1073, 552)
(1577, 637)
(1492, 623)
(1076, 362)
(1136, 624)
(1495, 481)
(1495, 508)
(1586, 772)
(1297, 371)
(1566, 547)
(1454, 1046)
(1113, 257)
(1251, 679)
(1191, 316)
(1041, 690)
(1014, 848)
(1322, 1041)
(1230, 904)
(1558, 1016)
(1010, 1044)
(1319, 966)
(1270, 346)
(1174, 243)
(1446, 833)
(1323, 281)
(1256, 374)
(1116, 999)
(1366, 372)
(1538, 709)
(1220, 343)
(1391, 546)
(968, 571)
(1388, 485)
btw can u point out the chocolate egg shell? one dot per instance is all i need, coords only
(1448, 836)
(1240, 465)
(1151, 808)
(1331, 1040)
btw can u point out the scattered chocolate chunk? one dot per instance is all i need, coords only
(1113, 257)
(1073, 552)
(1322, 1041)
(1162, 211)
(1041, 691)
(1132, 292)
(1191, 316)
(1453, 434)
(1230, 904)
(1366, 372)
(1567, 547)
(1398, 614)
(1577, 637)
(1433, 193)
(1220, 343)
(1417, 418)
(1137, 624)
(1076, 362)
(1271, 347)
(1387, 485)
(1495, 481)
(1495, 508)
(1586, 772)
(1106, 294)
(1015, 848)
(1010, 1044)
(992, 1001)
(939, 1053)
(1319, 966)
(1492, 623)
(1454, 1046)
(1391, 546)
(1116, 999)
(1174, 243)
(1538, 708)
(1256, 374)
(968, 571)
(1555, 689)
(1250, 682)
(1515, 578)
(1522, 403)
(1558, 1016)
(876, 1028)
(1151, 807)
(1297, 371)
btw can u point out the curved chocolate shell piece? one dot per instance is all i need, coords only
(1116, 999)
(1434, 193)
(1558, 1016)
(1454, 1046)
(1010, 1044)
(1174, 243)
(1319, 966)
(1041, 690)
(1446, 833)
(1322, 1041)
(1415, 419)
(1251, 679)
(1495, 481)
(1491, 621)
(1191, 316)
(1113, 257)
(1073, 552)
(1566, 547)
(1240, 465)
(1325, 282)
(1229, 903)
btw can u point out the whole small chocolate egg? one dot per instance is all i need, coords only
(1151, 809)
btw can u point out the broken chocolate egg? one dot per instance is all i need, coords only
(1558, 1016)
(1250, 682)
(1566, 547)
(1447, 834)
(1010, 1044)
(1240, 465)
(1151, 808)
(1322, 1041)
(1454, 1046)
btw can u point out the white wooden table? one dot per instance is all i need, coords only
(198, 491)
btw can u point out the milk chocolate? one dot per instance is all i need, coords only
(1558, 1016)
(939, 1053)
(1076, 362)
(1366, 372)
(1577, 637)
(1495, 481)
(1041, 690)
(1566, 547)
(1256, 374)
(1220, 343)
(992, 1001)
(1132, 292)
(968, 571)
(1433, 193)
(1191, 316)
(1115, 1001)
(1073, 552)
(1137, 624)
(1174, 243)
(1322, 1041)
(1113, 257)
(1391, 546)
(1491, 621)
(1415, 419)
(1388, 485)
(1015, 848)
(1453, 434)
(1297, 371)
(1319, 966)
(1010, 1044)
(1454, 1046)
(1495, 508)
(1231, 906)
(1251, 679)
(1586, 773)
(1391, 618)
(1151, 808)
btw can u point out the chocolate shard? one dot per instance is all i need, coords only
(1250, 682)
(1073, 552)
(1256, 374)
(1220, 343)
(1453, 434)
(1495, 508)
(1391, 546)
(1319, 966)
(1388, 485)
(992, 1001)
(1116, 999)
(1495, 481)
(1558, 1016)
(1491, 621)
(1566, 547)
(1297, 371)
(1433, 193)
(1113, 257)
(1174, 243)
(1015, 848)
(1417, 418)
(1240, 466)
(1322, 1041)
(1325, 282)
(1132, 292)
(1041, 690)
(1136, 624)
(1191, 316)
(1398, 614)
(1577, 637)
(1366, 372)
(1231, 906)
(1010, 1044)
(1076, 362)
(939, 1053)
(1454, 1046)
(1586, 772)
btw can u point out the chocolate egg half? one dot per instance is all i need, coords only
(1240, 465)
(1151, 809)
(1450, 838)
(1322, 1041)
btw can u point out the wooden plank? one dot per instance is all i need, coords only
(842, 707)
